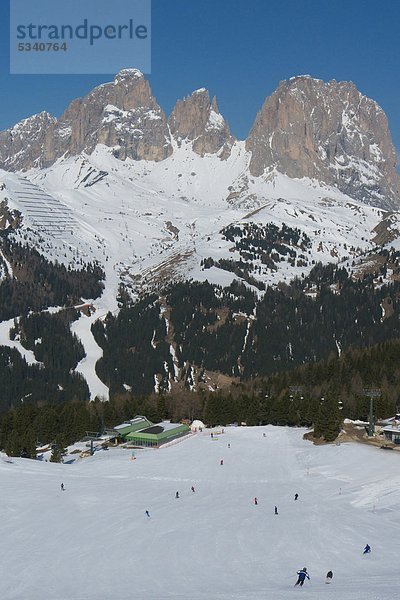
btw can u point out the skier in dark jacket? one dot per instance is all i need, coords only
(367, 549)
(329, 577)
(296, 496)
(302, 574)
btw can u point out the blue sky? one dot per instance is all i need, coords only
(239, 50)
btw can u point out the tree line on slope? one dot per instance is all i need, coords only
(260, 249)
(306, 396)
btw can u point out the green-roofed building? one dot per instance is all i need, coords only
(135, 424)
(157, 435)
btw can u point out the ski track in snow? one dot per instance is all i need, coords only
(5, 327)
(87, 365)
(93, 540)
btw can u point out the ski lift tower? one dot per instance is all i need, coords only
(371, 393)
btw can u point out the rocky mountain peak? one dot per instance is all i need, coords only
(198, 120)
(330, 132)
(308, 128)
(124, 74)
(129, 90)
(122, 114)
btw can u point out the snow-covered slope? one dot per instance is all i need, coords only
(93, 541)
(148, 223)
(141, 218)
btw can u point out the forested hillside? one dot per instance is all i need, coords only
(318, 395)
(38, 283)
(57, 351)
(329, 333)
(261, 249)
(30, 283)
(195, 329)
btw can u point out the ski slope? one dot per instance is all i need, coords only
(94, 542)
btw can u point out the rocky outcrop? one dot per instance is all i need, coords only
(330, 132)
(21, 147)
(199, 121)
(122, 114)
(9, 219)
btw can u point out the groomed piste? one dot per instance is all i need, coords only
(94, 541)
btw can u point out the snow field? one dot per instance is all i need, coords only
(94, 541)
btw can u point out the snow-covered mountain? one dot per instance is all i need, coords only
(327, 132)
(199, 121)
(145, 221)
(318, 157)
(151, 199)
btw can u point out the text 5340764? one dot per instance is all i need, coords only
(42, 47)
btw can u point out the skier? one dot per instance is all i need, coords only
(177, 495)
(192, 488)
(302, 574)
(367, 549)
(276, 510)
(296, 496)
(146, 512)
(329, 577)
(229, 445)
(264, 435)
(62, 487)
(222, 462)
(255, 501)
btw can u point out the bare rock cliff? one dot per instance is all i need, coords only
(199, 121)
(21, 147)
(329, 132)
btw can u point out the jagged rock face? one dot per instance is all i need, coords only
(330, 132)
(122, 114)
(198, 120)
(21, 147)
